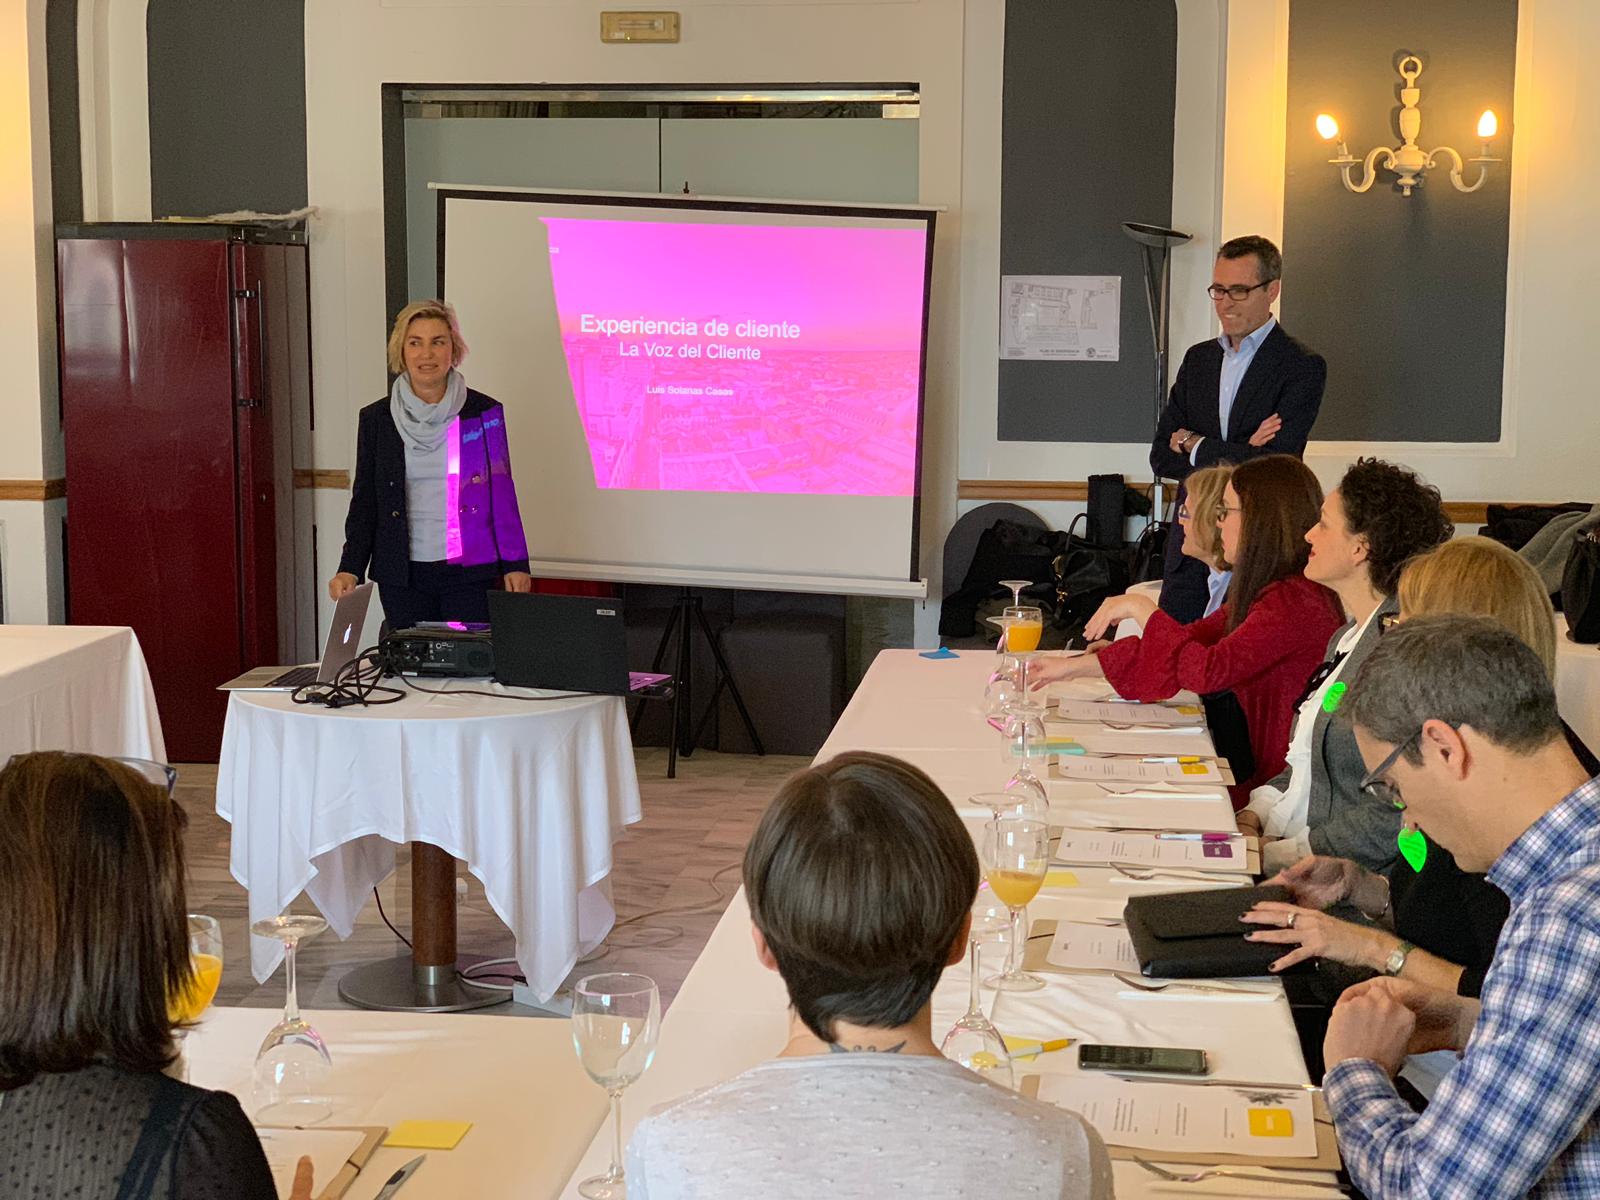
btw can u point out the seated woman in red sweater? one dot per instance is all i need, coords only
(1262, 644)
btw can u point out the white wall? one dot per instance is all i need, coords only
(355, 46)
(31, 449)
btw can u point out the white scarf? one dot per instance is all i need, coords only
(423, 426)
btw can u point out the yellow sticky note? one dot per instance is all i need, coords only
(1271, 1122)
(428, 1135)
(1060, 879)
(1190, 710)
(1193, 768)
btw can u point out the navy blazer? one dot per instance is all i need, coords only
(377, 541)
(1285, 377)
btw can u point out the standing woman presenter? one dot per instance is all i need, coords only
(433, 511)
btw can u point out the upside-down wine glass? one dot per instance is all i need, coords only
(293, 1067)
(1016, 856)
(615, 1020)
(973, 1041)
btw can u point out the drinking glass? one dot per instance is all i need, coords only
(205, 953)
(1024, 626)
(615, 1020)
(1016, 586)
(293, 1067)
(973, 1041)
(1023, 729)
(1020, 803)
(1016, 855)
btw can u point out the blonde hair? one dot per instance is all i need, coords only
(423, 310)
(1204, 489)
(1478, 577)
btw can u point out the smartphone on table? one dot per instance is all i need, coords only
(1164, 1060)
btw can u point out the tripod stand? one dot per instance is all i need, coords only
(688, 611)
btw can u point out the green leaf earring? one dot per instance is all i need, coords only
(1413, 845)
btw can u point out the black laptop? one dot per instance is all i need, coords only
(563, 643)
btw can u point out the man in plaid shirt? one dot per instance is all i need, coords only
(1457, 721)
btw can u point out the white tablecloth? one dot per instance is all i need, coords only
(731, 1013)
(1578, 685)
(76, 687)
(530, 794)
(516, 1080)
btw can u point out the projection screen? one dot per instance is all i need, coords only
(701, 391)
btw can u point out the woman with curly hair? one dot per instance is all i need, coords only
(1378, 518)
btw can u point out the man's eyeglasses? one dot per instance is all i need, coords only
(1379, 788)
(160, 774)
(1237, 291)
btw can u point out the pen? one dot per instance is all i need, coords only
(1171, 758)
(1032, 1049)
(1195, 837)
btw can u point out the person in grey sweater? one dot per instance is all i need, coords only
(860, 880)
(1377, 519)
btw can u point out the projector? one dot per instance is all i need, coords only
(439, 653)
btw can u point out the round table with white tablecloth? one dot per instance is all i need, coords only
(530, 793)
(76, 687)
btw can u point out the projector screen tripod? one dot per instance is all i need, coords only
(688, 611)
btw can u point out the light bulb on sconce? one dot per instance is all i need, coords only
(1409, 160)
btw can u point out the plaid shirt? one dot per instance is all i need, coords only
(1517, 1116)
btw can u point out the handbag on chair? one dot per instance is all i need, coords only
(1580, 598)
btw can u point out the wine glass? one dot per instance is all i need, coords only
(973, 1041)
(615, 1020)
(1024, 627)
(1022, 804)
(1016, 855)
(1022, 727)
(1016, 586)
(293, 1066)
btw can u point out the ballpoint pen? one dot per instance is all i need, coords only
(1196, 837)
(397, 1180)
(1171, 758)
(1033, 1049)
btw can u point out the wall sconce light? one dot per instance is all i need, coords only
(1410, 160)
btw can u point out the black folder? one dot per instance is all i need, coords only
(1198, 935)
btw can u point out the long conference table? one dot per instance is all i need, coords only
(731, 1013)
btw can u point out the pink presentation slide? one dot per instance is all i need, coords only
(743, 358)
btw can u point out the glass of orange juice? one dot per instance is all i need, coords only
(1024, 626)
(205, 954)
(1016, 855)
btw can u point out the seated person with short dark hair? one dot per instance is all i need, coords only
(1456, 720)
(861, 880)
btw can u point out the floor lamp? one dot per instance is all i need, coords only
(1156, 243)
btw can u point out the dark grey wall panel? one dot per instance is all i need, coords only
(1406, 296)
(61, 67)
(1086, 131)
(227, 106)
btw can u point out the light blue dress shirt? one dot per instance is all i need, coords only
(1234, 365)
(1217, 588)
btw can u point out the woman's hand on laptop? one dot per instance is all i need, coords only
(340, 584)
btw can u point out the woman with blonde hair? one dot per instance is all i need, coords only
(433, 511)
(1432, 922)
(1202, 539)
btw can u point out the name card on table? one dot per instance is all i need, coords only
(1193, 851)
(1111, 712)
(1085, 769)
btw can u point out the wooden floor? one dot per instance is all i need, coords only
(683, 856)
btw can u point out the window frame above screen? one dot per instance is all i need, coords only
(445, 192)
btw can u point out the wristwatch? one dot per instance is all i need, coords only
(1396, 962)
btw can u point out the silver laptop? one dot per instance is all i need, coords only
(341, 648)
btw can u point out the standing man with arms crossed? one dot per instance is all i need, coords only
(1253, 390)
(1456, 720)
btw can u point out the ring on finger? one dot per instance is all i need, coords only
(1289, 924)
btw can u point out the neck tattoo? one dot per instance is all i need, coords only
(836, 1048)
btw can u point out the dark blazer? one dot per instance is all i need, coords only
(1285, 377)
(1340, 819)
(377, 543)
